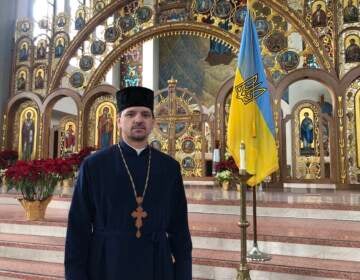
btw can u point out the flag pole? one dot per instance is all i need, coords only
(255, 254)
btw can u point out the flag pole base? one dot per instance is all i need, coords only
(257, 256)
(243, 273)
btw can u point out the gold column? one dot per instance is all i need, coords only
(340, 114)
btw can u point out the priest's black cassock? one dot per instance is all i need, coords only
(101, 240)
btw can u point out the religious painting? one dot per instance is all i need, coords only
(111, 34)
(143, 14)
(80, 19)
(105, 125)
(190, 67)
(69, 137)
(319, 18)
(276, 42)
(126, 23)
(28, 134)
(59, 47)
(24, 26)
(307, 145)
(325, 137)
(99, 5)
(327, 43)
(156, 144)
(41, 49)
(24, 51)
(223, 9)
(262, 27)
(43, 24)
(352, 49)
(21, 80)
(203, 6)
(131, 67)
(39, 80)
(180, 128)
(188, 163)
(61, 20)
(188, 146)
(173, 15)
(164, 128)
(180, 110)
(239, 16)
(98, 47)
(351, 11)
(289, 60)
(86, 62)
(77, 79)
(357, 125)
(132, 78)
(268, 61)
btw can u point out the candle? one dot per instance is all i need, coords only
(242, 156)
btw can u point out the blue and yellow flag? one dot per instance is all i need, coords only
(251, 119)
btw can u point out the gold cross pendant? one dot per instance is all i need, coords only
(139, 214)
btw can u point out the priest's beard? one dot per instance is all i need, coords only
(138, 138)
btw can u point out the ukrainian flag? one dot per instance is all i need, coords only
(251, 119)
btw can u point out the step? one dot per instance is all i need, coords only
(30, 270)
(305, 231)
(266, 210)
(305, 268)
(218, 265)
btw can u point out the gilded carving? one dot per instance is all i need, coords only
(352, 132)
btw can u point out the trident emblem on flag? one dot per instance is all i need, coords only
(249, 90)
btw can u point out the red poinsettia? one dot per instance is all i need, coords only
(228, 164)
(35, 179)
(77, 159)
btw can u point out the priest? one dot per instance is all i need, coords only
(128, 217)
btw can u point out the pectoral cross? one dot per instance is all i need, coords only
(139, 214)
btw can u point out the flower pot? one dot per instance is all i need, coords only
(35, 210)
(66, 186)
(225, 185)
(4, 185)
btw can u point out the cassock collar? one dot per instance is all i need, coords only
(131, 151)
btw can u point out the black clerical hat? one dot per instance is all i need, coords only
(135, 96)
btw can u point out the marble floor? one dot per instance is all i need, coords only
(312, 234)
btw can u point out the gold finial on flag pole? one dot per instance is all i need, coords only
(249, 4)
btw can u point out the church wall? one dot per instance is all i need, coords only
(307, 90)
(66, 105)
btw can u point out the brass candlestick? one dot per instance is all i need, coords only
(243, 271)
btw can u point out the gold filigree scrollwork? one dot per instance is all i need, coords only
(80, 122)
(4, 132)
(340, 114)
(41, 125)
(352, 132)
(277, 141)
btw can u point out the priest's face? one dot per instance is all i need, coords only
(136, 124)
